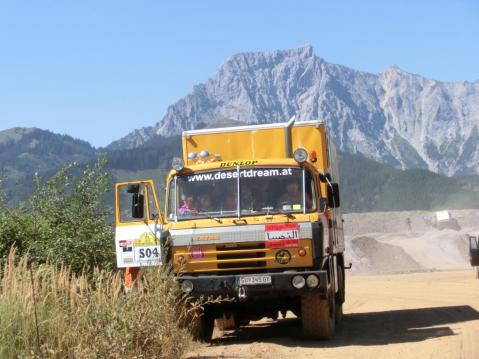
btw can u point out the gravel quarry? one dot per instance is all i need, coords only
(405, 242)
(410, 293)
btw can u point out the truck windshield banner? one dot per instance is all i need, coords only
(247, 191)
(252, 173)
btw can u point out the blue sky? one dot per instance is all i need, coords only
(98, 69)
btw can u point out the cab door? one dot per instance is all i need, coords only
(138, 225)
(474, 250)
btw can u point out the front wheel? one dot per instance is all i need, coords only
(338, 315)
(202, 328)
(226, 322)
(318, 316)
(339, 296)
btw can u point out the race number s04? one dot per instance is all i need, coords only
(148, 253)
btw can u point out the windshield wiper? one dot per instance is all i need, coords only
(271, 210)
(202, 211)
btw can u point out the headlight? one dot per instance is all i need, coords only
(187, 286)
(312, 281)
(178, 164)
(298, 281)
(300, 155)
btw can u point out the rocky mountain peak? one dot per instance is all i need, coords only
(396, 117)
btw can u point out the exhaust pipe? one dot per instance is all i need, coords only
(288, 143)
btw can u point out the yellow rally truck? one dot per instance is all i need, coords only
(252, 213)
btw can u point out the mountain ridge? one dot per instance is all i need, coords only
(394, 117)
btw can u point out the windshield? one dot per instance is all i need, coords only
(261, 190)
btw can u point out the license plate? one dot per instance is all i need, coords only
(253, 280)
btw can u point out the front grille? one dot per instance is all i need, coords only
(241, 256)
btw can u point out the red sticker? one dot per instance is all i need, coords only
(283, 243)
(281, 226)
(124, 244)
(287, 233)
(197, 253)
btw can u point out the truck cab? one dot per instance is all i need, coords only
(252, 214)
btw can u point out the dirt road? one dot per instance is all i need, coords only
(422, 315)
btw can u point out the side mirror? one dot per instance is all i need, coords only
(325, 177)
(137, 205)
(473, 242)
(133, 188)
(333, 195)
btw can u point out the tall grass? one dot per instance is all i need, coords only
(89, 317)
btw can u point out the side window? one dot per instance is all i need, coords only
(473, 242)
(322, 200)
(125, 203)
(170, 212)
(152, 208)
(310, 191)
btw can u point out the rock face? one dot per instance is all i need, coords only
(133, 139)
(395, 117)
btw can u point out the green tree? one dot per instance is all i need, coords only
(65, 221)
(70, 219)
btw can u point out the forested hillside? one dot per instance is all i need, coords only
(370, 186)
(26, 151)
(366, 185)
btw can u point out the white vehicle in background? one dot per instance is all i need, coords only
(443, 220)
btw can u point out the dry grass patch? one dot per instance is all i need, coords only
(89, 316)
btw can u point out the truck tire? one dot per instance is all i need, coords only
(226, 323)
(202, 327)
(317, 316)
(338, 313)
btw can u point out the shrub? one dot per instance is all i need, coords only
(64, 221)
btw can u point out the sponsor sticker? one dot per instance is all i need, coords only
(238, 163)
(126, 250)
(147, 249)
(207, 238)
(197, 253)
(282, 235)
(124, 244)
(277, 231)
(283, 256)
(146, 239)
(142, 250)
(283, 243)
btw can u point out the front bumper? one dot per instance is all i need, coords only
(227, 285)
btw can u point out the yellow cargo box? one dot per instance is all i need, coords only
(244, 144)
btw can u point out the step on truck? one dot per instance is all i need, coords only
(252, 214)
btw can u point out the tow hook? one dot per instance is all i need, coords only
(226, 285)
(241, 293)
